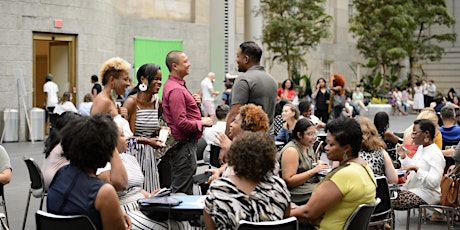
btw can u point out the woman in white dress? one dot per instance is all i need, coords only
(418, 97)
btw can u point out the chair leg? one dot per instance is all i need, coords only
(408, 219)
(420, 215)
(2, 222)
(41, 202)
(27, 209)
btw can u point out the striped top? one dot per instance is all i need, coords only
(227, 204)
(146, 121)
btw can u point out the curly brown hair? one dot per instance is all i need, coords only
(371, 138)
(252, 155)
(253, 118)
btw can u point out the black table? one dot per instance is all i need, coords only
(191, 209)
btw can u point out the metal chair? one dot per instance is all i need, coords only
(37, 186)
(47, 221)
(285, 224)
(359, 219)
(382, 212)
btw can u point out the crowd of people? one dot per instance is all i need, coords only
(267, 142)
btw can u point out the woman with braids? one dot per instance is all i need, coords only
(144, 107)
(251, 193)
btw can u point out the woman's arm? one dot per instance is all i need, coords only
(390, 171)
(108, 206)
(208, 222)
(325, 196)
(130, 105)
(290, 165)
(117, 175)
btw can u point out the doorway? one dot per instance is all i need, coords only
(55, 54)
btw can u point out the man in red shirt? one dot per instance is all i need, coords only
(181, 112)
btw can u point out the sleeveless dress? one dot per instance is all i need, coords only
(301, 194)
(146, 124)
(418, 98)
(80, 200)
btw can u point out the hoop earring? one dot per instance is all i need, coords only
(142, 87)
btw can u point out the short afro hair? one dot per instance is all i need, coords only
(252, 155)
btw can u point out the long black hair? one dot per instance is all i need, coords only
(55, 134)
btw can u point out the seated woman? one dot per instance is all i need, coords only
(382, 123)
(89, 143)
(130, 196)
(252, 193)
(345, 187)
(286, 91)
(430, 114)
(250, 117)
(54, 156)
(5, 167)
(65, 104)
(299, 163)
(85, 107)
(426, 168)
(290, 116)
(55, 159)
(373, 151)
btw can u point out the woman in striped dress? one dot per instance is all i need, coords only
(143, 107)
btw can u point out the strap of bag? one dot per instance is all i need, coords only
(453, 171)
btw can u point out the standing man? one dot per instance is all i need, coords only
(209, 95)
(181, 112)
(431, 91)
(97, 88)
(253, 86)
(51, 89)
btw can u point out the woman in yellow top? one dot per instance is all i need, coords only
(345, 187)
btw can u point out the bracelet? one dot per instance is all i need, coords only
(150, 195)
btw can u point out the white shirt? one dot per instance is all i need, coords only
(84, 108)
(209, 133)
(206, 85)
(425, 183)
(64, 107)
(51, 89)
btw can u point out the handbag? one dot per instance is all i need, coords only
(450, 183)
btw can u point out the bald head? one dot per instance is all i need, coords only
(172, 57)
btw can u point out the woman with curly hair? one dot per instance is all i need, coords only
(373, 151)
(286, 91)
(252, 193)
(89, 143)
(250, 118)
(115, 78)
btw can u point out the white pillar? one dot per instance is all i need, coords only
(253, 23)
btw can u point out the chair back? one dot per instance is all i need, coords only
(47, 221)
(36, 177)
(359, 219)
(449, 144)
(383, 209)
(285, 224)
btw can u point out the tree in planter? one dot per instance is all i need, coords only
(390, 30)
(292, 27)
(382, 28)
